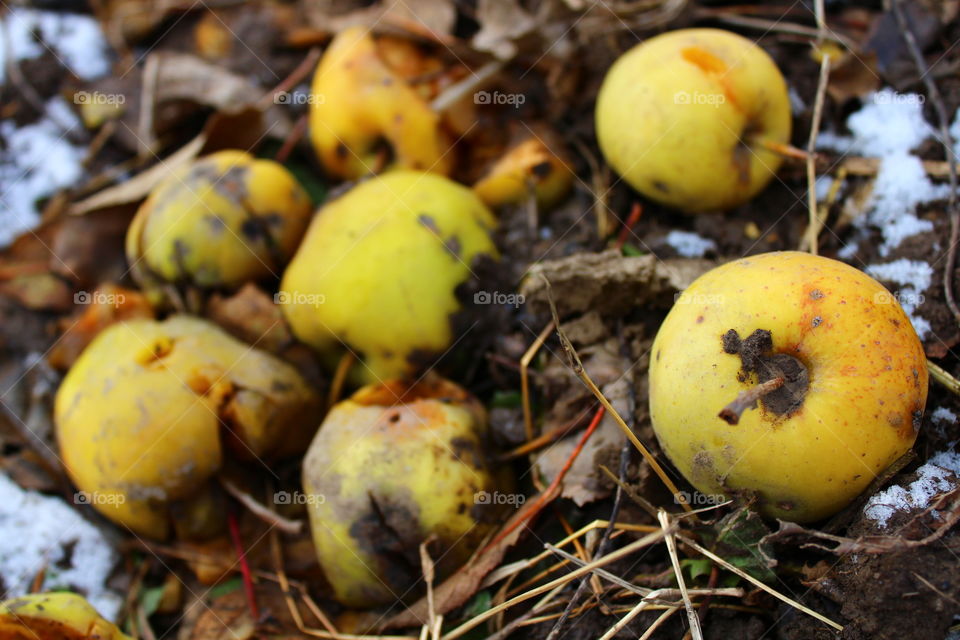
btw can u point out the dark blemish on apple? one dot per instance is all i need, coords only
(816, 294)
(699, 319)
(658, 355)
(786, 505)
(816, 321)
(387, 82)
(541, 169)
(895, 322)
(755, 358)
(341, 151)
(660, 186)
(917, 420)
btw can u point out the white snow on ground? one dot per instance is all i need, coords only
(913, 277)
(889, 126)
(938, 475)
(34, 529)
(75, 39)
(689, 245)
(37, 161)
(942, 414)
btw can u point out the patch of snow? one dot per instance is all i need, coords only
(37, 532)
(75, 39)
(848, 250)
(36, 161)
(888, 123)
(942, 414)
(916, 274)
(689, 245)
(797, 105)
(889, 126)
(938, 475)
(913, 277)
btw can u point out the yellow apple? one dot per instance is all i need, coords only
(529, 168)
(684, 118)
(378, 269)
(359, 102)
(148, 412)
(853, 372)
(58, 615)
(220, 221)
(391, 467)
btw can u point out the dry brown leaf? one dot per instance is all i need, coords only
(461, 586)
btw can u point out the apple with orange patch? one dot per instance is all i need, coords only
(691, 118)
(790, 377)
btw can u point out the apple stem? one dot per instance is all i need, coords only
(786, 150)
(746, 399)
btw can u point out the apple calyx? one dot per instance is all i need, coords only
(782, 379)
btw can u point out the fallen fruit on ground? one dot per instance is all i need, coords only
(844, 371)
(686, 117)
(225, 219)
(364, 116)
(54, 616)
(392, 466)
(148, 412)
(529, 168)
(378, 269)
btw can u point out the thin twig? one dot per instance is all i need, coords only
(947, 141)
(815, 223)
(269, 516)
(692, 616)
(748, 398)
(525, 378)
(943, 377)
(746, 576)
(581, 373)
(248, 589)
(622, 552)
(456, 92)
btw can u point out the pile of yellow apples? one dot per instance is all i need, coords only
(785, 377)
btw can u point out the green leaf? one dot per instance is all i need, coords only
(738, 541)
(150, 600)
(224, 588)
(479, 604)
(696, 567)
(631, 251)
(506, 399)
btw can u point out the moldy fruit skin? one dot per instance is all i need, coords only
(359, 102)
(145, 413)
(54, 616)
(378, 269)
(225, 219)
(867, 383)
(391, 466)
(676, 113)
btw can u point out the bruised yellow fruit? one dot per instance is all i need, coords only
(225, 219)
(851, 373)
(378, 268)
(145, 414)
(390, 467)
(530, 168)
(359, 102)
(686, 118)
(54, 616)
